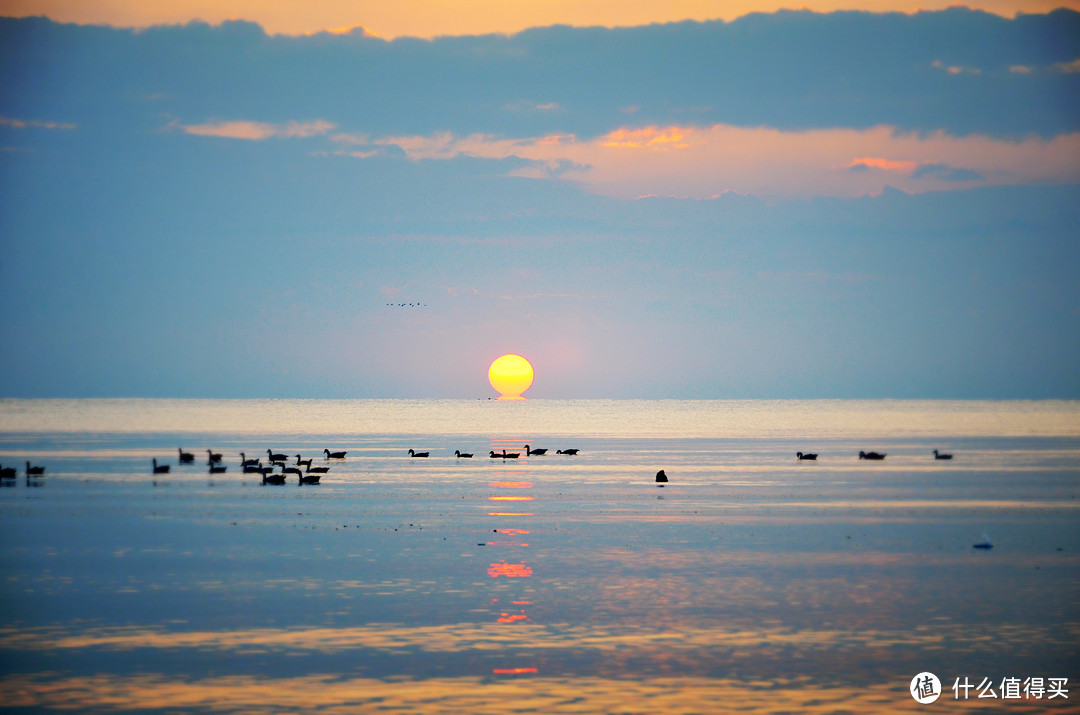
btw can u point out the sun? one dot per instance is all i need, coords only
(510, 375)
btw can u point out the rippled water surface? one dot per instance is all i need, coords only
(543, 583)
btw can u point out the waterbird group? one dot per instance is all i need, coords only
(529, 452)
(8, 474)
(215, 465)
(872, 456)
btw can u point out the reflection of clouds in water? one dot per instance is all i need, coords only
(464, 637)
(334, 694)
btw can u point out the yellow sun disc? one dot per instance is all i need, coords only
(510, 375)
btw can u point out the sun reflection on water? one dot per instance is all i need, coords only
(510, 480)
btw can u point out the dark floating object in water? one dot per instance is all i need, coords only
(273, 478)
(418, 454)
(462, 455)
(310, 478)
(983, 545)
(7, 472)
(567, 451)
(217, 469)
(334, 455)
(276, 457)
(938, 455)
(214, 456)
(871, 455)
(245, 462)
(805, 455)
(316, 470)
(661, 477)
(185, 457)
(537, 452)
(162, 469)
(34, 471)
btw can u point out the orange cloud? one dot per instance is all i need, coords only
(765, 161)
(257, 131)
(649, 137)
(885, 164)
(33, 124)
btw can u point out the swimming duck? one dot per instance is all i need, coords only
(462, 455)
(938, 455)
(418, 454)
(803, 455)
(537, 452)
(871, 455)
(334, 455)
(163, 469)
(185, 457)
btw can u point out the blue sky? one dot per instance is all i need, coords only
(789, 204)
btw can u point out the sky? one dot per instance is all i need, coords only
(254, 200)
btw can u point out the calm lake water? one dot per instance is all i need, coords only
(552, 583)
